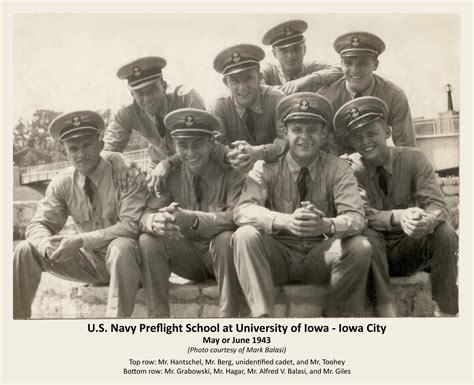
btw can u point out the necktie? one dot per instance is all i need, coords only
(301, 183)
(160, 125)
(250, 123)
(382, 179)
(88, 189)
(197, 190)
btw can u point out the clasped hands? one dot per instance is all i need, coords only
(414, 221)
(171, 221)
(306, 221)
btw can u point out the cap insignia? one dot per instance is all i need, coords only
(355, 41)
(235, 57)
(304, 105)
(76, 121)
(287, 31)
(354, 112)
(137, 71)
(189, 121)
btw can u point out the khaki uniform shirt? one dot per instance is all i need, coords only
(220, 192)
(399, 117)
(133, 117)
(271, 188)
(411, 183)
(111, 214)
(268, 129)
(273, 74)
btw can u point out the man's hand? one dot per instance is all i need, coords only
(158, 175)
(125, 173)
(301, 84)
(347, 158)
(413, 221)
(244, 155)
(163, 224)
(308, 223)
(68, 247)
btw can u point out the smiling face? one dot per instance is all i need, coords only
(244, 86)
(358, 71)
(195, 153)
(290, 58)
(306, 137)
(84, 152)
(151, 98)
(370, 141)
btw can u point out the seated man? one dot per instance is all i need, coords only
(188, 224)
(301, 217)
(404, 204)
(105, 250)
(359, 53)
(292, 72)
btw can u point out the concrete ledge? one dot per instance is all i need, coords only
(58, 298)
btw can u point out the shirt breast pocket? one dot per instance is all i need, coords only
(80, 215)
(110, 213)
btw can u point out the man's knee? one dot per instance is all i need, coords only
(359, 250)
(245, 234)
(221, 247)
(124, 250)
(24, 252)
(444, 232)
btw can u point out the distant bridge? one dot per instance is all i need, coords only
(437, 138)
(45, 172)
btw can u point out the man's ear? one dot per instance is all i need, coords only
(62, 148)
(260, 76)
(101, 144)
(274, 51)
(224, 80)
(388, 131)
(304, 48)
(376, 64)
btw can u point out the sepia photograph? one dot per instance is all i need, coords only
(132, 80)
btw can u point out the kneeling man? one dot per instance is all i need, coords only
(301, 218)
(404, 205)
(188, 224)
(107, 219)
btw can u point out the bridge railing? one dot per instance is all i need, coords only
(436, 127)
(46, 172)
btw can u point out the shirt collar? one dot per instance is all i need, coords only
(208, 174)
(388, 165)
(255, 107)
(285, 77)
(295, 168)
(366, 92)
(95, 176)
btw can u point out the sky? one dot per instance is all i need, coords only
(68, 61)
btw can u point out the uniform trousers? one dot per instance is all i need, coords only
(400, 255)
(118, 266)
(190, 259)
(264, 260)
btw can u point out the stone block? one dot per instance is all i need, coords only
(305, 293)
(185, 310)
(183, 293)
(210, 291)
(452, 200)
(306, 310)
(210, 311)
(449, 181)
(281, 310)
(450, 190)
